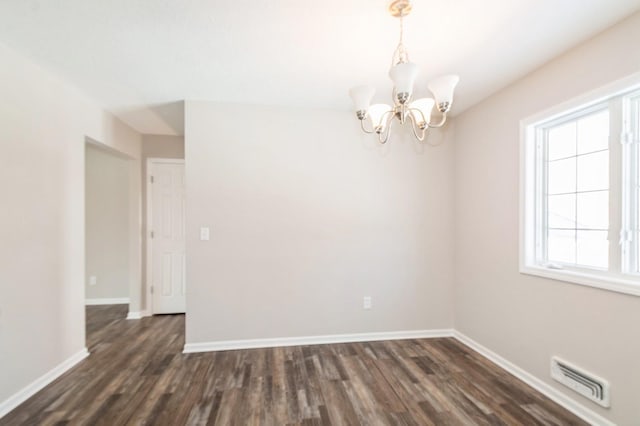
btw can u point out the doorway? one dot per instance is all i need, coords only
(107, 233)
(166, 243)
(108, 266)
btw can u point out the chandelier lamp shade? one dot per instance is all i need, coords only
(405, 109)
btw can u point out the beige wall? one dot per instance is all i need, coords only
(106, 224)
(43, 126)
(307, 216)
(154, 146)
(523, 318)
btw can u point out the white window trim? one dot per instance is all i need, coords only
(612, 281)
(631, 246)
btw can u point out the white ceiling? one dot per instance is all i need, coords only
(141, 58)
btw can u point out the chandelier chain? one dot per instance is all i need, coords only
(400, 56)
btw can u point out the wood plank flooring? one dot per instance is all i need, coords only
(136, 374)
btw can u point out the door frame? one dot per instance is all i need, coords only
(149, 219)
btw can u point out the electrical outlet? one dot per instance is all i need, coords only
(93, 280)
(366, 302)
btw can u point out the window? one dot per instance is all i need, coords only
(581, 189)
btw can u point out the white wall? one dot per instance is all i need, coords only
(522, 318)
(154, 146)
(106, 224)
(43, 125)
(307, 216)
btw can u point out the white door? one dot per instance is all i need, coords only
(168, 237)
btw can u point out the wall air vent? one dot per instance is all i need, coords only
(586, 384)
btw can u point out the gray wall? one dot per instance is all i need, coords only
(43, 126)
(307, 216)
(527, 319)
(107, 224)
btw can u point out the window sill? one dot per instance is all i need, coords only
(617, 284)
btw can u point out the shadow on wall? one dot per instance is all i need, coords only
(172, 113)
(158, 119)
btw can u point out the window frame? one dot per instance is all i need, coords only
(631, 187)
(622, 99)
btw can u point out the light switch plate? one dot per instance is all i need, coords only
(366, 302)
(204, 234)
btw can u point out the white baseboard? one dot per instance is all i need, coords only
(134, 315)
(107, 301)
(31, 389)
(550, 392)
(313, 340)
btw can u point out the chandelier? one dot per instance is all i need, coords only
(403, 74)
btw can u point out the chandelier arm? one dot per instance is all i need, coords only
(363, 128)
(423, 133)
(441, 123)
(383, 139)
(424, 119)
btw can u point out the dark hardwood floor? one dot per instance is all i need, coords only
(137, 374)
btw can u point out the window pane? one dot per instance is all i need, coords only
(562, 176)
(562, 141)
(593, 132)
(561, 210)
(561, 246)
(593, 210)
(593, 171)
(593, 249)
